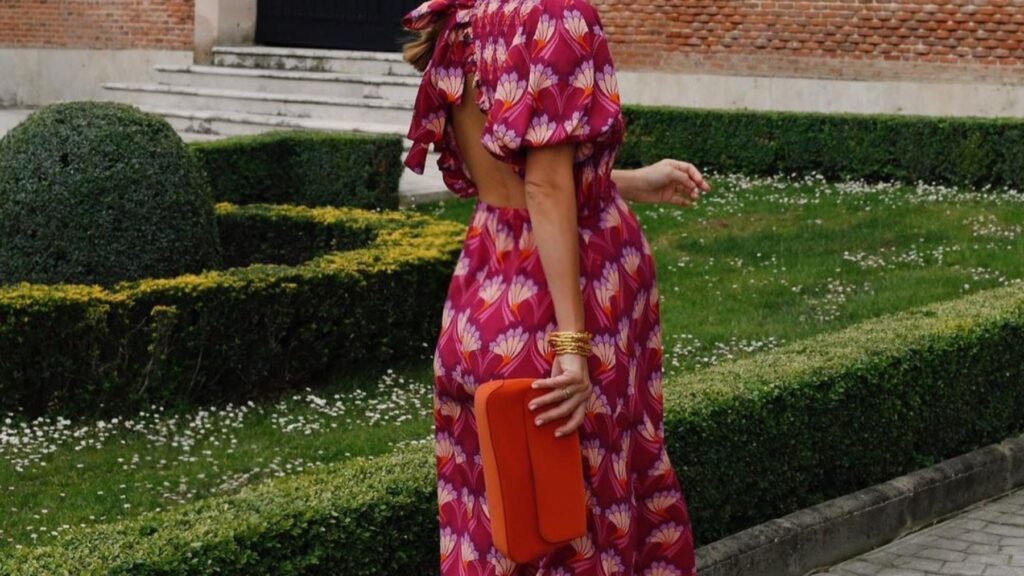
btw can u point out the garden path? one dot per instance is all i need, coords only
(984, 540)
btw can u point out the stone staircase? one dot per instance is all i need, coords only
(254, 89)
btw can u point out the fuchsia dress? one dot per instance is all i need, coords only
(544, 75)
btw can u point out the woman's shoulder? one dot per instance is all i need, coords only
(572, 12)
(526, 15)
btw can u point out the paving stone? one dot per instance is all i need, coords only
(948, 544)
(925, 564)
(901, 572)
(1003, 571)
(1011, 520)
(962, 568)
(981, 549)
(971, 524)
(861, 567)
(991, 559)
(986, 541)
(940, 554)
(883, 556)
(1004, 530)
(906, 547)
(978, 537)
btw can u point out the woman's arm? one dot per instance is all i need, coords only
(625, 181)
(670, 181)
(551, 201)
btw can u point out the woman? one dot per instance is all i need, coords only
(520, 99)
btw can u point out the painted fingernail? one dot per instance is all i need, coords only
(539, 421)
(532, 406)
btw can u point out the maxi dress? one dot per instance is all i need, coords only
(544, 75)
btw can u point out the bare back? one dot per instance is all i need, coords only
(497, 183)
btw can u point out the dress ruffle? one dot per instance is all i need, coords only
(440, 88)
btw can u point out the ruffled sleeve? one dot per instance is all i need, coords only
(557, 85)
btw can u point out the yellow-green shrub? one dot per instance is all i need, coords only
(229, 334)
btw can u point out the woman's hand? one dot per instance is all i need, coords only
(568, 370)
(667, 181)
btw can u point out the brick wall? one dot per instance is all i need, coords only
(963, 40)
(909, 39)
(108, 24)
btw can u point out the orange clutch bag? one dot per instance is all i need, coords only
(533, 479)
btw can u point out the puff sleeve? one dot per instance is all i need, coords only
(557, 84)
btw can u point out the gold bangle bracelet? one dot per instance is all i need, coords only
(569, 342)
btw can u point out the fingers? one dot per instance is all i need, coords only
(574, 422)
(693, 177)
(553, 396)
(563, 409)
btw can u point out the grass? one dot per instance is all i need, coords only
(55, 474)
(757, 263)
(760, 262)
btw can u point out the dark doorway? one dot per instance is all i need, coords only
(346, 24)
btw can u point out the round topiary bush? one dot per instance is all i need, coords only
(98, 192)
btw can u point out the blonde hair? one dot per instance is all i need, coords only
(418, 51)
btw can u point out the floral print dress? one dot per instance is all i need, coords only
(544, 75)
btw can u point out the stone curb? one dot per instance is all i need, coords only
(850, 525)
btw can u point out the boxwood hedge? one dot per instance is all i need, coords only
(231, 334)
(305, 167)
(751, 439)
(970, 151)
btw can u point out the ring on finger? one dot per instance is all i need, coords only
(566, 392)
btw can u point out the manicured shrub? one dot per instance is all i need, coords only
(233, 334)
(279, 234)
(97, 192)
(751, 440)
(306, 167)
(759, 437)
(967, 151)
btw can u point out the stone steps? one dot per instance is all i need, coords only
(228, 123)
(393, 88)
(296, 104)
(254, 89)
(313, 60)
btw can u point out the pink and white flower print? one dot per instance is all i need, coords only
(544, 76)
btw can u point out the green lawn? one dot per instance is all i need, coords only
(755, 264)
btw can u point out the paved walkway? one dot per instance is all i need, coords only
(11, 117)
(986, 539)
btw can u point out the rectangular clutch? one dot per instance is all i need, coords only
(533, 479)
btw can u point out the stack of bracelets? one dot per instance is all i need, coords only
(570, 342)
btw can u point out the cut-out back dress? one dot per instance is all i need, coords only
(544, 75)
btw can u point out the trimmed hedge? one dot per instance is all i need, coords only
(271, 234)
(98, 192)
(969, 151)
(772, 433)
(305, 167)
(751, 439)
(230, 334)
(367, 516)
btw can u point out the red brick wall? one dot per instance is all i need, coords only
(964, 40)
(937, 40)
(151, 24)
